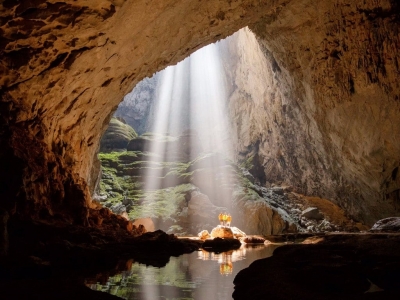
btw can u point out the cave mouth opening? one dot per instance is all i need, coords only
(186, 145)
(177, 164)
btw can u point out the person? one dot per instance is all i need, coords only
(220, 218)
(224, 218)
(229, 220)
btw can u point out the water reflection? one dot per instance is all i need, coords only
(199, 275)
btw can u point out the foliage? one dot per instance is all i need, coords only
(162, 203)
(247, 163)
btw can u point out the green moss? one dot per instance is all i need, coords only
(163, 203)
(247, 163)
(124, 173)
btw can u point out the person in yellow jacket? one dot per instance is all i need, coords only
(224, 218)
(229, 220)
(220, 218)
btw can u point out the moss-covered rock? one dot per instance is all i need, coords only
(117, 136)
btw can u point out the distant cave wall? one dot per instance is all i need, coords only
(137, 108)
(317, 100)
(65, 66)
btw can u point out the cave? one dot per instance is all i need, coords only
(325, 122)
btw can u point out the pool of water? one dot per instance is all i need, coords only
(199, 275)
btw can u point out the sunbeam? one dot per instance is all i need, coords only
(191, 115)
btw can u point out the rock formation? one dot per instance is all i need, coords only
(137, 106)
(117, 136)
(222, 232)
(387, 225)
(65, 67)
(325, 269)
(325, 117)
(319, 109)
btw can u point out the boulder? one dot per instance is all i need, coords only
(312, 213)
(254, 239)
(219, 244)
(204, 234)
(265, 219)
(222, 232)
(117, 136)
(138, 144)
(387, 225)
(237, 233)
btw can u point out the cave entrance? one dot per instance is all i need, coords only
(171, 144)
(189, 143)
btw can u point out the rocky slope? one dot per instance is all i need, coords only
(184, 195)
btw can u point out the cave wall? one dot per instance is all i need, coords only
(65, 66)
(328, 121)
(316, 101)
(137, 108)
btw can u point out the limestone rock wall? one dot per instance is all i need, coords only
(65, 66)
(137, 108)
(317, 102)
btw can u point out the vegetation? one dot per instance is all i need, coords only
(124, 173)
(163, 203)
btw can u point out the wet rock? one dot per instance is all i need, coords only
(332, 267)
(237, 233)
(312, 213)
(220, 244)
(222, 232)
(387, 225)
(253, 239)
(204, 234)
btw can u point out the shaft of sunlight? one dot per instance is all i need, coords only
(191, 120)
